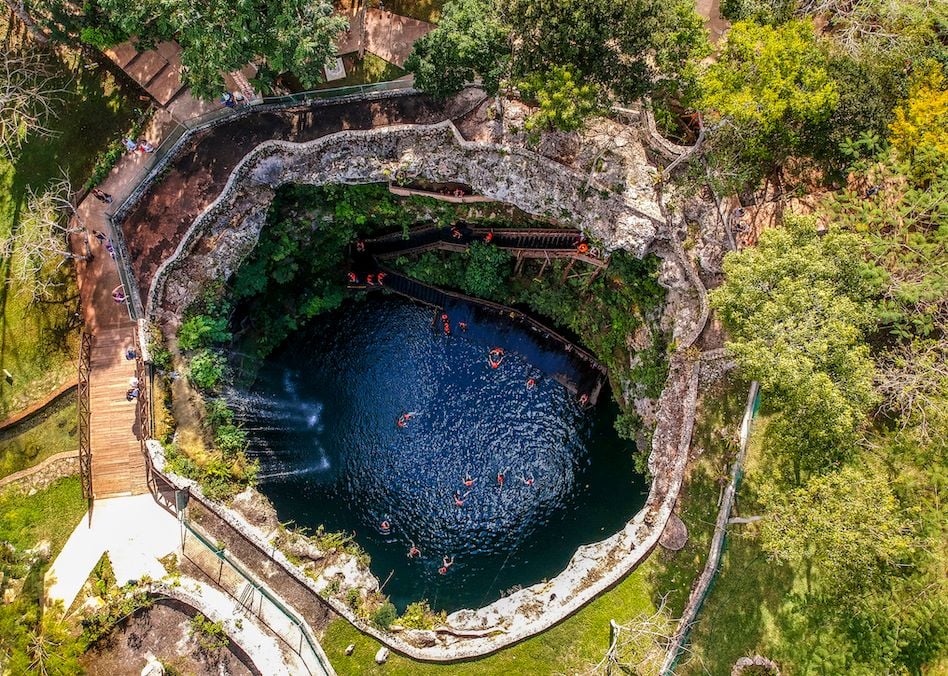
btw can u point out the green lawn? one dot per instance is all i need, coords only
(50, 514)
(370, 69)
(51, 432)
(581, 641)
(38, 343)
(574, 645)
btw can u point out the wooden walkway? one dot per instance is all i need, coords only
(118, 466)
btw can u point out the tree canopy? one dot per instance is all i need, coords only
(220, 36)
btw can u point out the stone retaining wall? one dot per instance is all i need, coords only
(39, 477)
(228, 229)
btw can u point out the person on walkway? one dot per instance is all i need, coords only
(131, 394)
(456, 234)
(118, 294)
(98, 235)
(413, 551)
(129, 144)
(445, 564)
(228, 100)
(489, 237)
(110, 248)
(379, 277)
(133, 381)
(103, 197)
(145, 146)
(131, 354)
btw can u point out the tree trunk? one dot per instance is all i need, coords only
(17, 7)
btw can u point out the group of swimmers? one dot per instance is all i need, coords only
(385, 526)
(370, 280)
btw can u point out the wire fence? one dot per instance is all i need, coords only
(712, 568)
(213, 560)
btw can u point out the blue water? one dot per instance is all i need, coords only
(322, 422)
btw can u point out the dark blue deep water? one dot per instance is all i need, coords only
(322, 422)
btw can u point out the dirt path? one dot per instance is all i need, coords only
(156, 224)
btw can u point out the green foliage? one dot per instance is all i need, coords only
(200, 331)
(224, 36)
(767, 87)
(487, 270)
(418, 615)
(210, 636)
(470, 41)
(106, 159)
(384, 615)
(206, 369)
(564, 102)
(353, 598)
(920, 129)
(602, 41)
(848, 523)
(797, 307)
(120, 603)
(230, 440)
(904, 226)
(220, 478)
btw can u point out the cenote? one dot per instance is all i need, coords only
(322, 415)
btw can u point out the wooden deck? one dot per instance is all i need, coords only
(118, 466)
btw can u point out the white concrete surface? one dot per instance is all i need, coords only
(135, 532)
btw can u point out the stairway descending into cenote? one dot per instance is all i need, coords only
(522, 242)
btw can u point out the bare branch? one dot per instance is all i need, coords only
(29, 91)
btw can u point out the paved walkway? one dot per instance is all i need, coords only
(135, 532)
(388, 36)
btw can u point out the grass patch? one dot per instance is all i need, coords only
(423, 10)
(573, 645)
(742, 613)
(719, 415)
(46, 435)
(370, 69)
(50, 514)
(38, 342)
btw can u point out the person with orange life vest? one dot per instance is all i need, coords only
(445, 564)
(413, 551)
(531, 383)
(379, 277)
(385, 527)
(468, 481)
(353, 278)
(527, 481)
(459, 499)
(583, 399)
(370, 280)
(489, 237)
(495, 357)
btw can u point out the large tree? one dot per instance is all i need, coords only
(470, 42)
(28, 92)
(768, 86)
(219, 36)
(796, 307)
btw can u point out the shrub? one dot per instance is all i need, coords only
(487, 271)
(353, 598)
(418, 615)
(230, 440)
(384, 616)
(202, 331)
(210, 636)
(207, 369)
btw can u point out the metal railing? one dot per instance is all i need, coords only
(213, 560)
(84, 411)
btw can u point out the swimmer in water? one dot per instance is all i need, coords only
(404, 418)
(528, 482)
(468, 481)
(583, 399)
(531, 383)
(385, 526)
(445, 564)
(459, 499)
(462, 326)
(414, 551)
(500, 477)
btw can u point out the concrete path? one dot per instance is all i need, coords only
(388, 36)
(135, 532)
